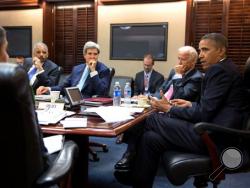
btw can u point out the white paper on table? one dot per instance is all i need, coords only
(113, 113)
(74, 122)
(53, 143)
(123, 109)
(50, 116)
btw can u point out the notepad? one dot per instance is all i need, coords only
(74, 123)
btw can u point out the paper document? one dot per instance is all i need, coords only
(53, 143)
(74, 122)
(115, 113)
(51, 116)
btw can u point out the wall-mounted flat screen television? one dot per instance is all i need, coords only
(132, 41)
(20, 41)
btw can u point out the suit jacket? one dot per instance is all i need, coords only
(97, 85)
(223, 98)
(48, 77)
(155, 81)
(188, 87)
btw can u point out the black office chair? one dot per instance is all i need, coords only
(181, 166)
(23, 157)
(96, 144)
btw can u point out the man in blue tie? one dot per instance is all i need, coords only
(91, 77)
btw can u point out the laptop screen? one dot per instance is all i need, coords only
(74, 95)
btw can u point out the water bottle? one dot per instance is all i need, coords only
(127, 93)
(117, 94)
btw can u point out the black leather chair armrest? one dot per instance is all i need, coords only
(61, 165)
(203, 127)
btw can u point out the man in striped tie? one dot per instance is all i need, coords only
(41, 70)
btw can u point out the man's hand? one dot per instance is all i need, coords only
(37, 63)
(179, 69)
(92, 65)
(41, 90)
(161, 105)
(181, 103)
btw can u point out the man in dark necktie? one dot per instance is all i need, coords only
(223, 102)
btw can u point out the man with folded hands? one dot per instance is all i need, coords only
(91, 77)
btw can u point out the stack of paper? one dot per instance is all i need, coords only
(74, 122)
(51, 116)
(115, 113)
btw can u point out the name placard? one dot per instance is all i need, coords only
(49, 105)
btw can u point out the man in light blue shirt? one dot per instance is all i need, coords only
(92, 77)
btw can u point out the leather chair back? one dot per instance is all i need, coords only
(112, 73)
(22, 147)
(60, 72)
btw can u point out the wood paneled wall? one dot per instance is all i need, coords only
(230, 17)
(73, 27)
(65, 31)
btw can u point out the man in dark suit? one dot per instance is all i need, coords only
(184, 78)
(222, 101)
(185, 81)
(148, 80)
(41, 70)
(92, 77)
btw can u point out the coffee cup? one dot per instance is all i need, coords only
(142, 101)
(54, 95)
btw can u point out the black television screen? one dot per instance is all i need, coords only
(132, 41)
(20, 41)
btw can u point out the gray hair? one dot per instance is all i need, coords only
(2, 36)
(89, 45)
(193, 55)
(38, 44)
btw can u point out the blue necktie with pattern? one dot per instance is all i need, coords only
(83, 78)
(32, 72)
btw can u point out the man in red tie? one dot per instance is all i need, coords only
(147, 81)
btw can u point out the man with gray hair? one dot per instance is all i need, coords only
(92, 77)
(223, 102)
(184, 80)
(41, 70)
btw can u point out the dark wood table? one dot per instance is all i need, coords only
(95, 127)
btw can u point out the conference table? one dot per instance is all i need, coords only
(96, 126)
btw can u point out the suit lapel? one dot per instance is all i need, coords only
(188, 76)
